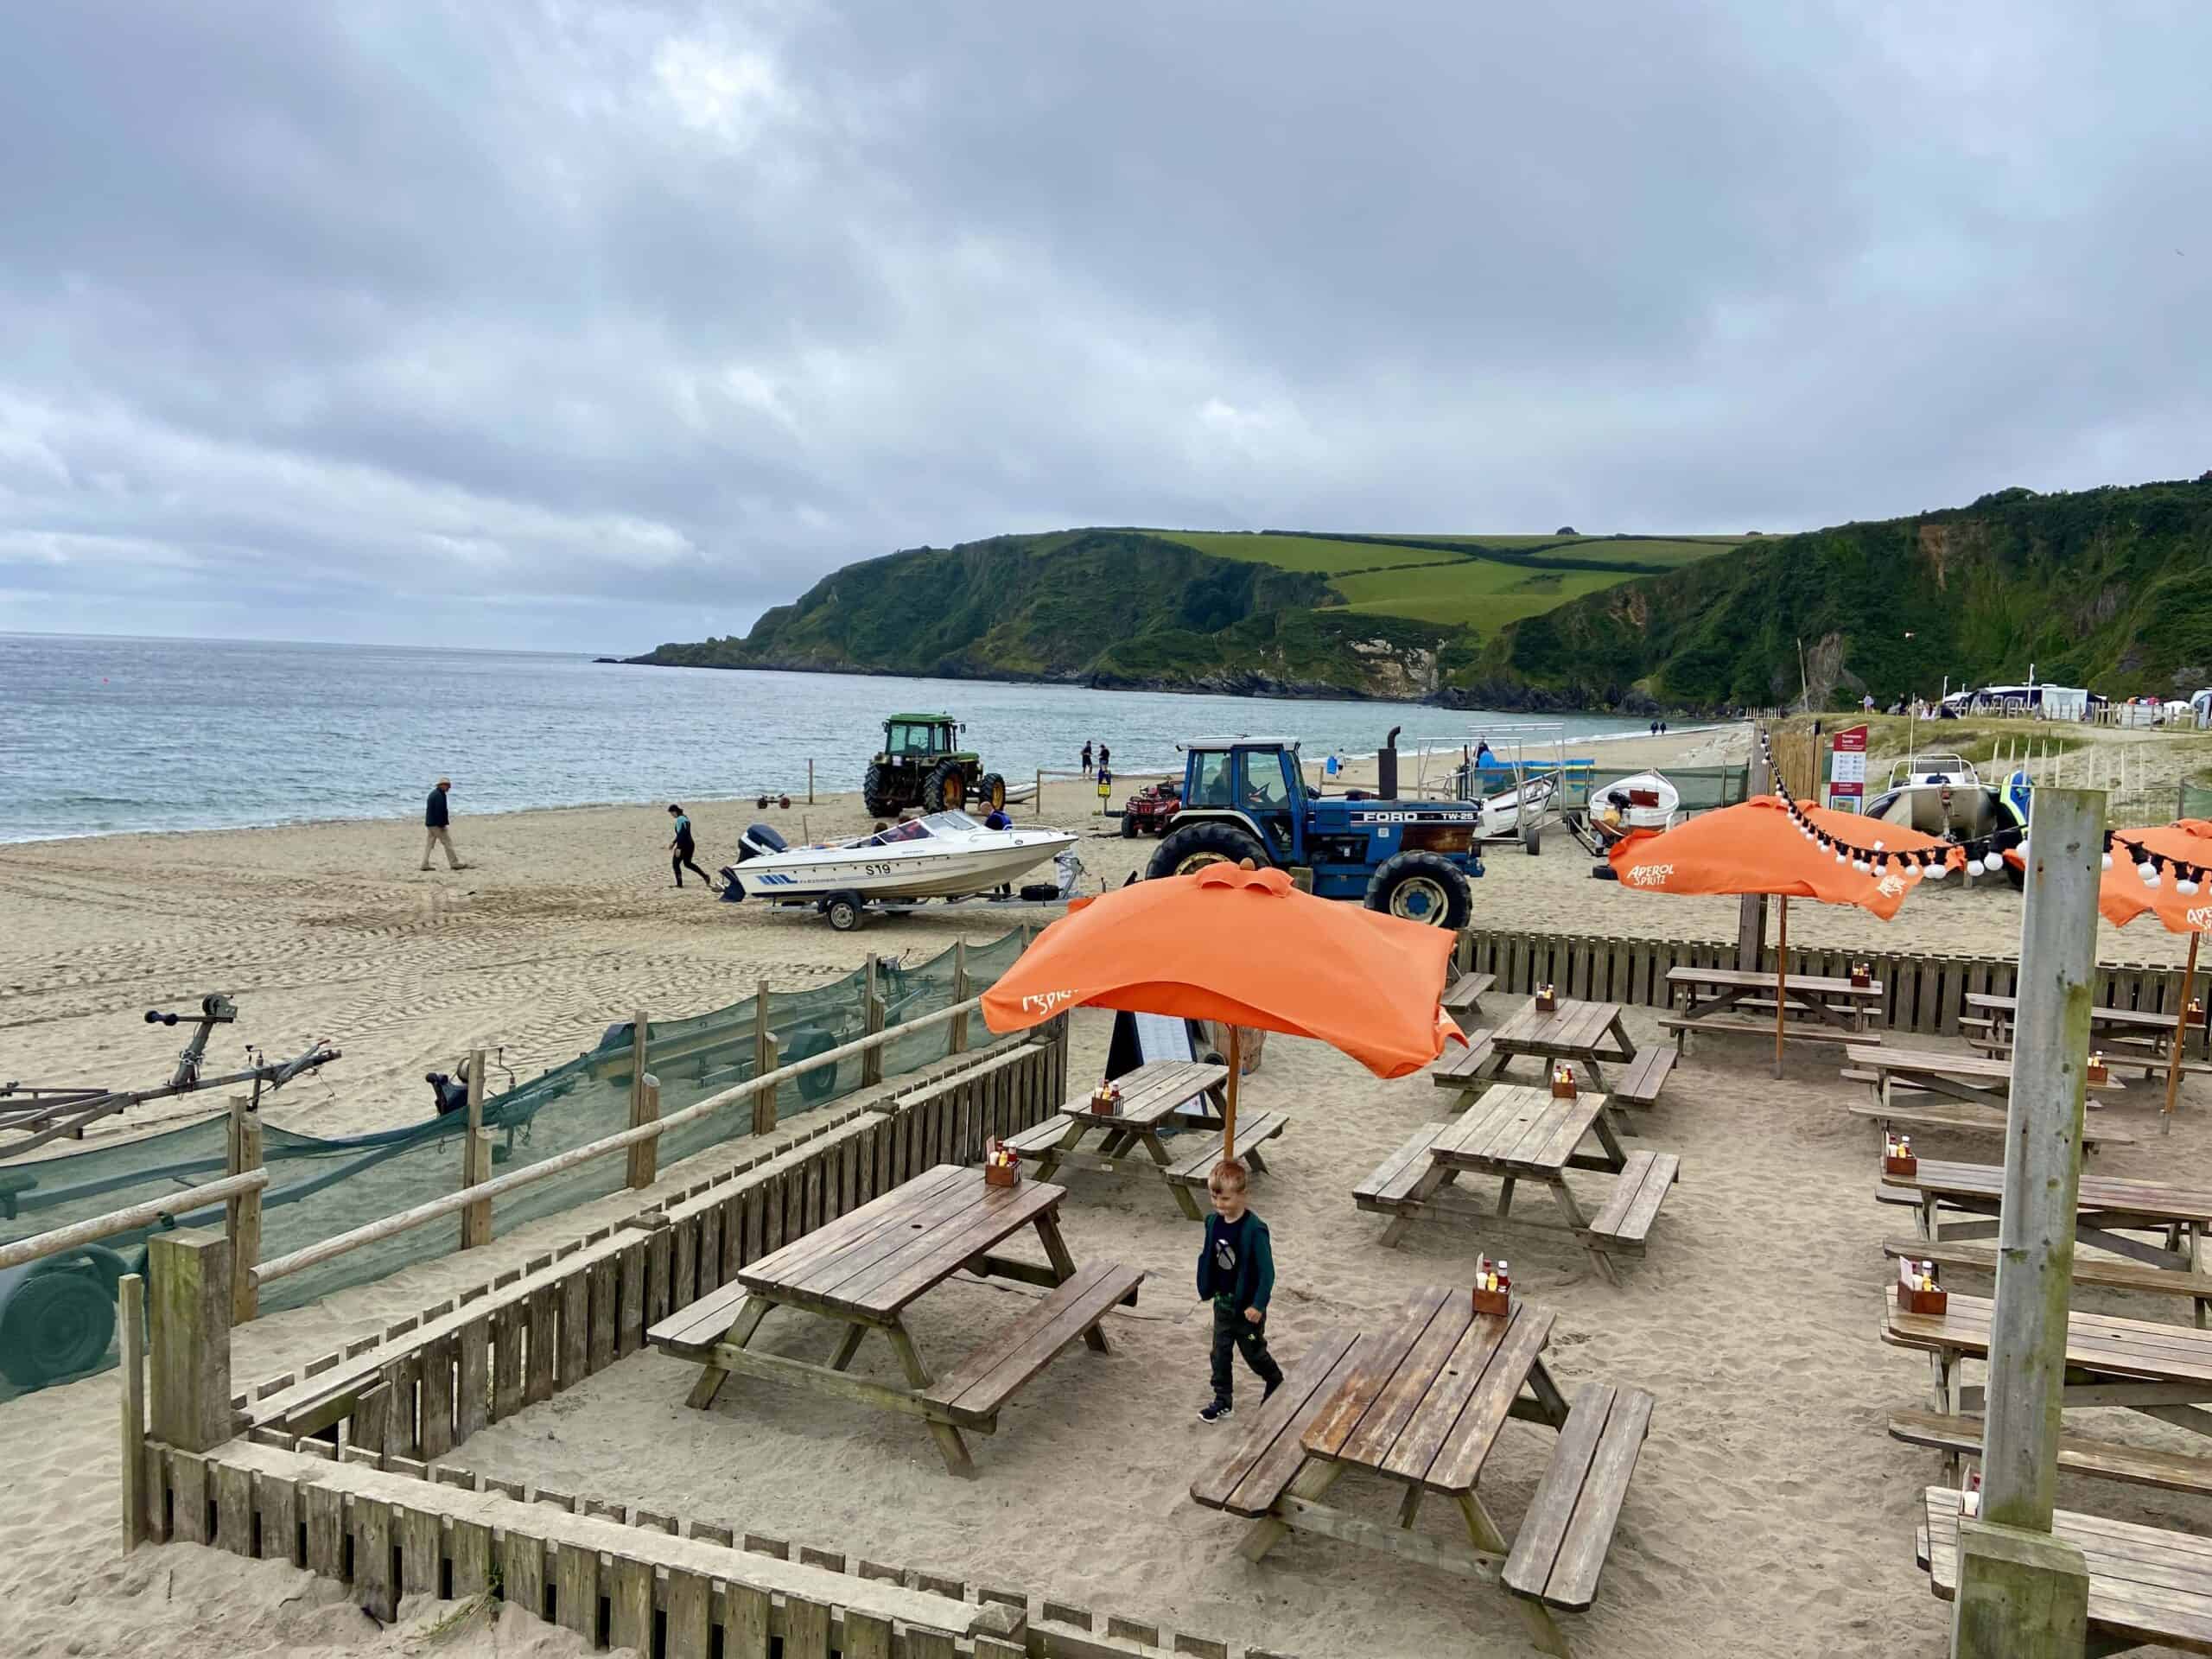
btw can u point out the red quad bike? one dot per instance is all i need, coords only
(1149, 812)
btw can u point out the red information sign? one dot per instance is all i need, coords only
(1847, 769)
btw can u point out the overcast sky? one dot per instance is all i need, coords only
(591, 326)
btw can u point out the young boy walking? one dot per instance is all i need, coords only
(1237, 1270)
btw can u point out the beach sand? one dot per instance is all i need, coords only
(1770, 1514)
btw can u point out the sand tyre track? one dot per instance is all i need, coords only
(1424, 888)
(1192, 848)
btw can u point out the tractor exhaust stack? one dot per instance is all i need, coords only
(1386, 766)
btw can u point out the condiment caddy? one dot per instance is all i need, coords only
(1562, 1082)
(1917, 1291)
(1862, 975)
(1001, 1165)
(1105, 1097)
(1897, 1157)
(1493, 1288)
(1547, 998)
(2098, 1071)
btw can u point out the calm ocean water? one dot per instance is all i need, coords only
(98, 736)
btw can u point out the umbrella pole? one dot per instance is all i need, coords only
(1781, 981)
(1229, 1112)
(2181, 1036)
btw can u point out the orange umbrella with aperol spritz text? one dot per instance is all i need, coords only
(2162, 871)
(1771, 844)
(1244, 947)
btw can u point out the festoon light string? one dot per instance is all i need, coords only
(1984, 855)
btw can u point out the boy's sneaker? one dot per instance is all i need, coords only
(1214, 1411)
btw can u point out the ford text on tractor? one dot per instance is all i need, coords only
(1246, 797)
(920, 765)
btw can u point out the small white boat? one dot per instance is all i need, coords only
(944, 855)
(1643, 800)
(1501, 811)
(1938, 795)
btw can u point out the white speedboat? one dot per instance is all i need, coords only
(944, 855)
(1643, 800)
(1501, 811)
(1938, 795)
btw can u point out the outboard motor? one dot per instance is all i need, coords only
(1386, 766)
(732, 894)
(452, 1093)
(758, 842)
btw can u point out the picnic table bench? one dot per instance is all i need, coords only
(1956, 1118)
(1589, 1035)
(1960, 1436)
(1465, 995)
(862, 1271)
(1974, 1079)
(2107, 1209)
(2135, 1038)
(1153, 1105)
(2161, 1370)
(1815, 1007)
(1515, 1132)
(2146, 1585)
(1420, 1403)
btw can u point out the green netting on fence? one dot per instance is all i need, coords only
(56, 1316)
(1701, 788)
(2196, 801)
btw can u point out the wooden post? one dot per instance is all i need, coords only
(1751, 910)
(2022, 1593)
(2181, 1035)
(872, 1058)
(764, 1061)
(1781, 980)
(242, 1214)
(638, 1045)
(1037, 800)
(190, 1332)
(644, 1157)
(1229, 1107)
(961, 994)
(810, 780)
(132, 1310)
(475, 1159)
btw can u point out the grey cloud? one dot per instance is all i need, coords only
(595, 324)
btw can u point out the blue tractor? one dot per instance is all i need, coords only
(1246, 797)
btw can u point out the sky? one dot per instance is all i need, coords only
(588, 327)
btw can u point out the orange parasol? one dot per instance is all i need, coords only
(2163, 872)
(1244, 947)
(1771, 844)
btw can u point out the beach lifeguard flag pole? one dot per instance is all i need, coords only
(1246, 948)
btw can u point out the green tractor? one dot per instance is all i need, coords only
(919, 767)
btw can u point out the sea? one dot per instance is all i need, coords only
(101, 736)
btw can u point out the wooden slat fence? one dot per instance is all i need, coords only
(1923, 993)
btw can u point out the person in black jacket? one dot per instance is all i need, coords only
(435, 819)
(681, 848)
(1236, 1268)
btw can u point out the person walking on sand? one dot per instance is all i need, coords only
(1086, 759)
(435, 819)
(1105, 759)
(681, 848)
(1236, 1270)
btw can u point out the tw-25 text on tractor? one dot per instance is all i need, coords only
(919, 765)
(1246, 797)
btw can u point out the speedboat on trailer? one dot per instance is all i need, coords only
(944, 855)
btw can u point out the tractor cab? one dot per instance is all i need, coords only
(1246, 797)
(912, 738)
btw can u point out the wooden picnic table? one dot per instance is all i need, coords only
(863, 1270)
(1589, 1034)
(2162, 1371)
(1420, 1403)
(1516, 1133)
(1977, 1080)
(1741, 1001)
(2107, 1209)
(1150, 1108)
(2130, 1037)
(2147, 1584)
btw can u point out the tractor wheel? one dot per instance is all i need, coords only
(875, 792)
(991, 792)
(1196, 845)
(1421, 887)
(55, 1325)
(945, 788)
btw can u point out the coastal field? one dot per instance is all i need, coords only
(1770, 1514)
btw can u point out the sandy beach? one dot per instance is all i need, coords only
(1770, 1514)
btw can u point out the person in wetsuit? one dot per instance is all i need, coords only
(681, 849)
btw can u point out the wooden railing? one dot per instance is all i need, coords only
(151, 1213)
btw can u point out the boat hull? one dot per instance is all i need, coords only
(897, 873)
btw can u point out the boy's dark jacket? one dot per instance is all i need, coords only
(1250, 1282)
